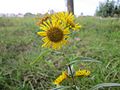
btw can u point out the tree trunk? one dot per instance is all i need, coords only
(70, 6)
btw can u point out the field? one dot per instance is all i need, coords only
(99, 39)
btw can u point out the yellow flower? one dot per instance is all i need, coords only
(57, 15)
(68, 19)
(41, 20)
(55, 34)
(60, 78)
(63, 16)
(82, 73)
(74, 26)
(65, 75)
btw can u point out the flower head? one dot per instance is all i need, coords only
(55, 34)
(82, 73)
(60, 78)
(68, 19)
(65, 75)
(43, 19)
(56, 28)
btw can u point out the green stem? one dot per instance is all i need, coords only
(39, 57)
(72, 75)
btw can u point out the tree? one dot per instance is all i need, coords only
(70, 6)
(108, 8)
(28, 14)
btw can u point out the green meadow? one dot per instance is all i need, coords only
(25, 65)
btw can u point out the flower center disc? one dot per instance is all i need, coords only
(55, 34)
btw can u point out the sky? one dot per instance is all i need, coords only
(87, 7)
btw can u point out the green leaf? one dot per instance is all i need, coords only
(39, 57)
(83, 59)
(61, 88)
(105, 85)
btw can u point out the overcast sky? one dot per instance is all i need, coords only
(88, 7)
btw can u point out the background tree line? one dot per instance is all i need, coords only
(108, 8)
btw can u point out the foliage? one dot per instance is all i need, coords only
(108, 8)
(28, 14)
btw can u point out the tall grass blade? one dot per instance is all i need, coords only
(83, 59)
(39, 57)
(105, 85)
(61, 88)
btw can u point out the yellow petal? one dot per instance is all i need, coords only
(43, 27)
(45, 44)
(65, 37)
(64, 42)
(56, 46)
(46, 24)
(48, 44)
(58, 22)
(76, 27)
(70, 14)
(82, 73)
(66, 31)
(45, 39)
(66, 14)
(53, 23)
(49, 22)
(60, 78)
(42, 33)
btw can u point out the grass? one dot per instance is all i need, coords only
(99, 39)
